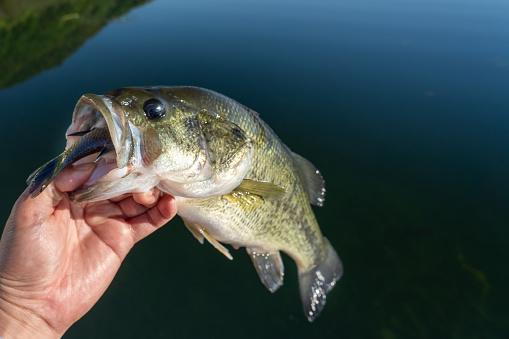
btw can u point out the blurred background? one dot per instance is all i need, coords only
(403, 106)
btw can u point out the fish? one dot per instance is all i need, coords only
(234, 181)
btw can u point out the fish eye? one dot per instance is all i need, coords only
(154, 109)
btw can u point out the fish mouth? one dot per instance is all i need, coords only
(98, 111)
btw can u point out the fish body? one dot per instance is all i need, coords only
(234, 180)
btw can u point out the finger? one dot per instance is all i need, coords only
(139, 203)
(28, 212)
(103, 211)
(157, 216)
(168, 207)
(148, 198)
(131, 208)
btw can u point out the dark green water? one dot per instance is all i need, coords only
(402, 105)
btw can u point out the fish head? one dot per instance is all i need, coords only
(163, 137)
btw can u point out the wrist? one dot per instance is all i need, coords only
(16, 322)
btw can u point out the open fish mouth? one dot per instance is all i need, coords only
(99, 134)
(98, 111)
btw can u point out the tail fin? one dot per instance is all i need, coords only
(317, 282)
(43, 176)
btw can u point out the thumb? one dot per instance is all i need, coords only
(28, 210)
(73, 177)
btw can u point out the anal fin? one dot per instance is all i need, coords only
(269, 267)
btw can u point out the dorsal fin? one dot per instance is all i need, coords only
(313, 180)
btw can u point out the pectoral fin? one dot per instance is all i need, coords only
(269, 267)
(253, 193)
(266, 190)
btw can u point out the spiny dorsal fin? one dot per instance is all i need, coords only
(252, 193)
(313, 180)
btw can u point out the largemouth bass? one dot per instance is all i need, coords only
(234, 180)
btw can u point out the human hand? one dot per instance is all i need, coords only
(57, 257)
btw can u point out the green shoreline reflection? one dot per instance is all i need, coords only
(38, 35)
